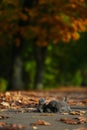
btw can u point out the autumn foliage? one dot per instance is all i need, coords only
(47, 20)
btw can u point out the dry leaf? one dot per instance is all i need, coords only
(3, 117)
(82, 119)
(35, 128)
(41, 122)
(6, 104)
(69, 121)
(2, 124)
(77, 120)
(64, 113)
(17, 126)
(84, 102)
(5, 126)
(78, 112)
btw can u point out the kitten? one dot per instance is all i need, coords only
(53, 106)
(41, 105)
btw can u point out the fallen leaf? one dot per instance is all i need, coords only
(64, 113)
(3, 117)
(6, 104)
(84, 101)
(17, 126)
(41, 122)
(77, 120)
(35, 128)
(78, 112)
(69, 121)
(6, 126)
(2, 124)
(82, 119)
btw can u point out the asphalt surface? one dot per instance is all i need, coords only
(27, 118)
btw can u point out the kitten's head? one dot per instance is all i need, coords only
(42, 101)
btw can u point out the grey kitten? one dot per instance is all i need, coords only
(41, 105)
(53, 106)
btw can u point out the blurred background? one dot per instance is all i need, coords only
(30, 60)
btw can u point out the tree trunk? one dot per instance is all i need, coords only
(16, 80)
(40, 55)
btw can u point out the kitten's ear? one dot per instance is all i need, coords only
(42, 100)
(65, 99)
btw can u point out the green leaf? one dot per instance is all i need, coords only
(65, 18)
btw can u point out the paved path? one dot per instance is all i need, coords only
(27, 118)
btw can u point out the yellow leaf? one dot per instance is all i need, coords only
(75, 36)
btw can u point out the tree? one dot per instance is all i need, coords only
(44, 21)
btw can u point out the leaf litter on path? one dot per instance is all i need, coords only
(23, 101)
(40, 122)
(78, 112)
(76, 120)
(3, 117)
(6, 126)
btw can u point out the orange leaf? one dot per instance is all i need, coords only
(41, 122)
(75, 36)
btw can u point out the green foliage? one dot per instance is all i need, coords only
(77, 79)
(29, 67)
(66, 64)
(3, 85)
(65, 18)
